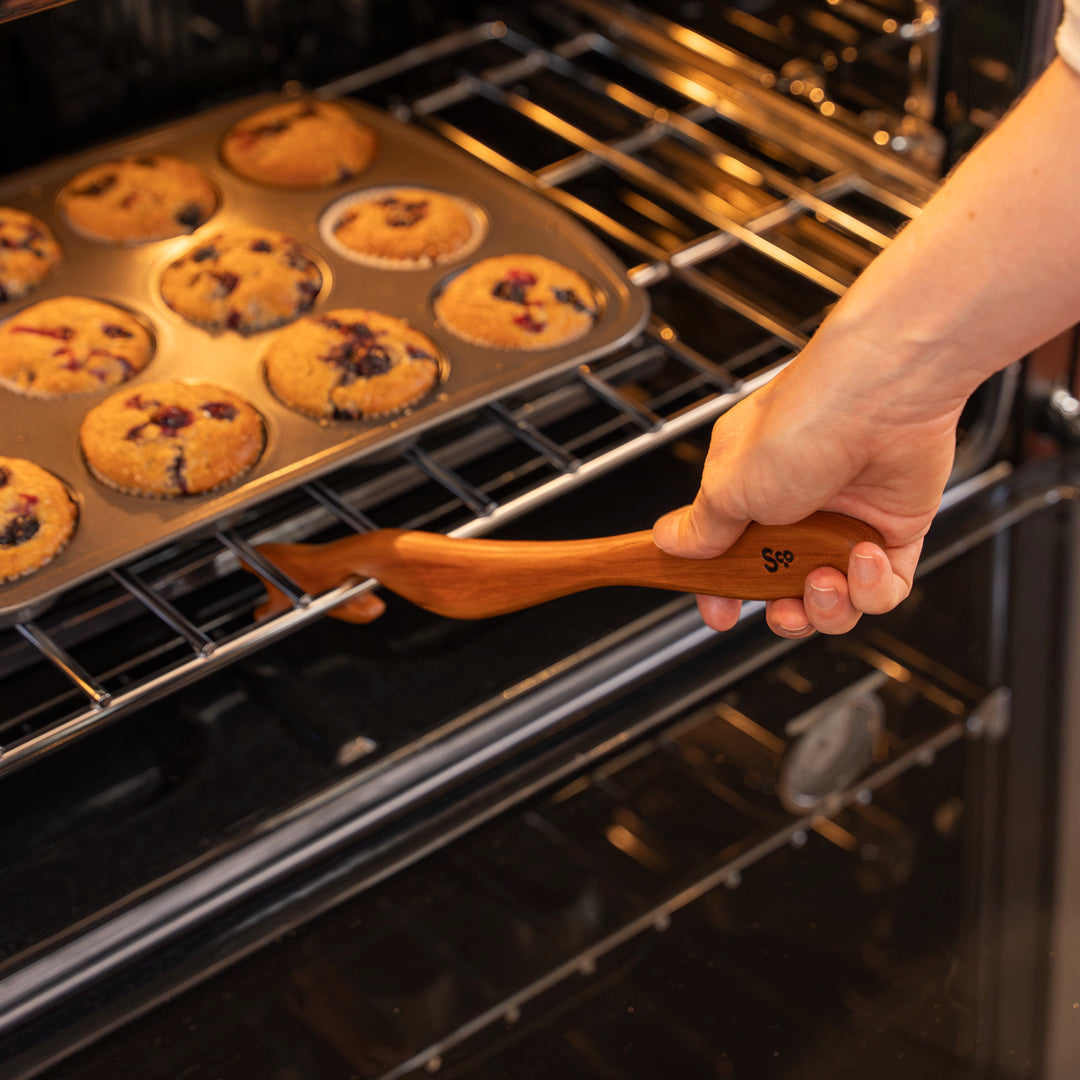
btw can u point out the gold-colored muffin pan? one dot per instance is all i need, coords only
(114, 527)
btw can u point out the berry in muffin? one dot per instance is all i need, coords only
(71, 345)
(517, 302)
(351, 364)
(242, 279)
(171, 438)
(28, 253)
(37, 517)
(299, 144)
(150, 197)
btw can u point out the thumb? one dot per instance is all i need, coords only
(692, 532)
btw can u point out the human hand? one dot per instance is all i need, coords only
(863, 421)
(803, 443)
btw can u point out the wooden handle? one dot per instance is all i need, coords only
(474, 579)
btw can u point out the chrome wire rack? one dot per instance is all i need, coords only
(871, 66)
(744, 213)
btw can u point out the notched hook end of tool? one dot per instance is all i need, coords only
(295, 561)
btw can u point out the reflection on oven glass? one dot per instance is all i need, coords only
(12, 9)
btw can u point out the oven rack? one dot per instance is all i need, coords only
(668, 95)
(793, 198)
(326, 505)
(871, 68)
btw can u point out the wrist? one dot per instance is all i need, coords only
(904, 366)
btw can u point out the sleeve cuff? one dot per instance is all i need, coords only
(1068, 35)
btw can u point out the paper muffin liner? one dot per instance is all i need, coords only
(332, 215)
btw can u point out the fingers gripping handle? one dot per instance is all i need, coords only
(769, 562)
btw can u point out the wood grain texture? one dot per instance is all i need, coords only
(474, 579)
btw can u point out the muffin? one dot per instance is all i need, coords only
(71, 345)
(402, 227)
(517, 302)
(37, 517)
(242, 279)
(171, 438)
(351, 364)
(28, 253)
(299, 144)
(151, 197)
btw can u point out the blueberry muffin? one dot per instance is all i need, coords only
(171, 438)
(71, 345)
(151, 197)
(28, 253)
(299, 144)
(242, 279)
(37, 517)
(404, 227)
(351, 364)
(517, 302)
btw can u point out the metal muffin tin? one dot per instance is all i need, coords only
(115, 528)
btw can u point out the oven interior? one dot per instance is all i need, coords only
(591, 838)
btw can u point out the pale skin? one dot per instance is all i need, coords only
(863, 421)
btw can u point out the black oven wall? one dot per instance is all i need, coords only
(76, 74)
(992, 50)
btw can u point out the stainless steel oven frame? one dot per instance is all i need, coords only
(385, 814)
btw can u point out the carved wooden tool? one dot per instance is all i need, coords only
(473, 579)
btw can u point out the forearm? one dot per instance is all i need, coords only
(989, 270)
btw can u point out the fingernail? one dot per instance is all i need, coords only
(795, 629)
(666, 530)
(824, 599)
(864, 569)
